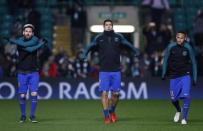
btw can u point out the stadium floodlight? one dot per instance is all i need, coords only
(117, 28)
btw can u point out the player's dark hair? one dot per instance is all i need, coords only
(107, 20)
(182, 32)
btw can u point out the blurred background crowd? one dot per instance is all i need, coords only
(64, 24)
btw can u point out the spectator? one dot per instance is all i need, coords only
(50, 68)
(166, 35)
(16, 30)
(66, 69)
(94, 63)
(145, 65)
(151, 36)
(135, 68)
(158, 9)
(10, 52)
(34, 18)
(61, 56)
(156, 64)
(198, 29)
(78, 24)
(125, 64)
(1, 66)
(81, 67)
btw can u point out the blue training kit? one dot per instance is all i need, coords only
(110, 81)
(180, 87)
(28, 81)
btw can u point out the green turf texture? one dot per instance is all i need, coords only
(86, 115)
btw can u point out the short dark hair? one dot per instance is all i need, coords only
(29, 26)
(182, 32)
(108, 20)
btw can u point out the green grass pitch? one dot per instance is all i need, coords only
(86, 115)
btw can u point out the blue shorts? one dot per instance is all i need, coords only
(180, 87)
(110, 81)
(28, 81)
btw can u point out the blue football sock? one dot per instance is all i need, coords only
(22, 103)
(33, 105)
(186, 104)
(112, 109)
(176, 105)
(106, 113)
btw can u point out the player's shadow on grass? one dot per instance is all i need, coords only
(128, 119)
(121, 119)
(142, 119)
(51, 119)
(197, 121)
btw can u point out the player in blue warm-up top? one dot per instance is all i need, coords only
(179, 65)
(27, 69)
(109, 45)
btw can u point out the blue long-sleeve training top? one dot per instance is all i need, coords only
(109, 46)
(179, 60)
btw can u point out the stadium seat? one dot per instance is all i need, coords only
(190, 3)
(3, 2)
(173, 3)
(179, 18)
(180, 26)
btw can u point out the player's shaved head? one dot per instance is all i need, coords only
(108, 20)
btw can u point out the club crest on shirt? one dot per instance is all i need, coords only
(184, 53)
(116, 39)
(101, 40)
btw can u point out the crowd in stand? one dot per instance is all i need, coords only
(157, 36)
(61, 65)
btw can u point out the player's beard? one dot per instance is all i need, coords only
(27, 37)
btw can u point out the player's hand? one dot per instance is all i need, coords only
(45, 40)
(137, 54)
(83, 57)
(194, 83)
(163, 78)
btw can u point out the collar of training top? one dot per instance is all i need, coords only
(109, 33)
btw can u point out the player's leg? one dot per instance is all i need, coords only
(186, 104)
(112, 107)
(104, 88)
(105, 104)
(22, 90)
(175, 90)
(115, 88)
(33, 85)
(185, 94)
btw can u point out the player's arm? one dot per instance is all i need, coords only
(92, 45)
(193, 60)
(165, 59)
(129, 45)
(22, 43)
(35, 47)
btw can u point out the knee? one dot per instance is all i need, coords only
(104, 94)
(22, 95)
(115, 94)
(22, 98)
(186, 102)
(186, 105)
(33, 93)
(174, 100)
